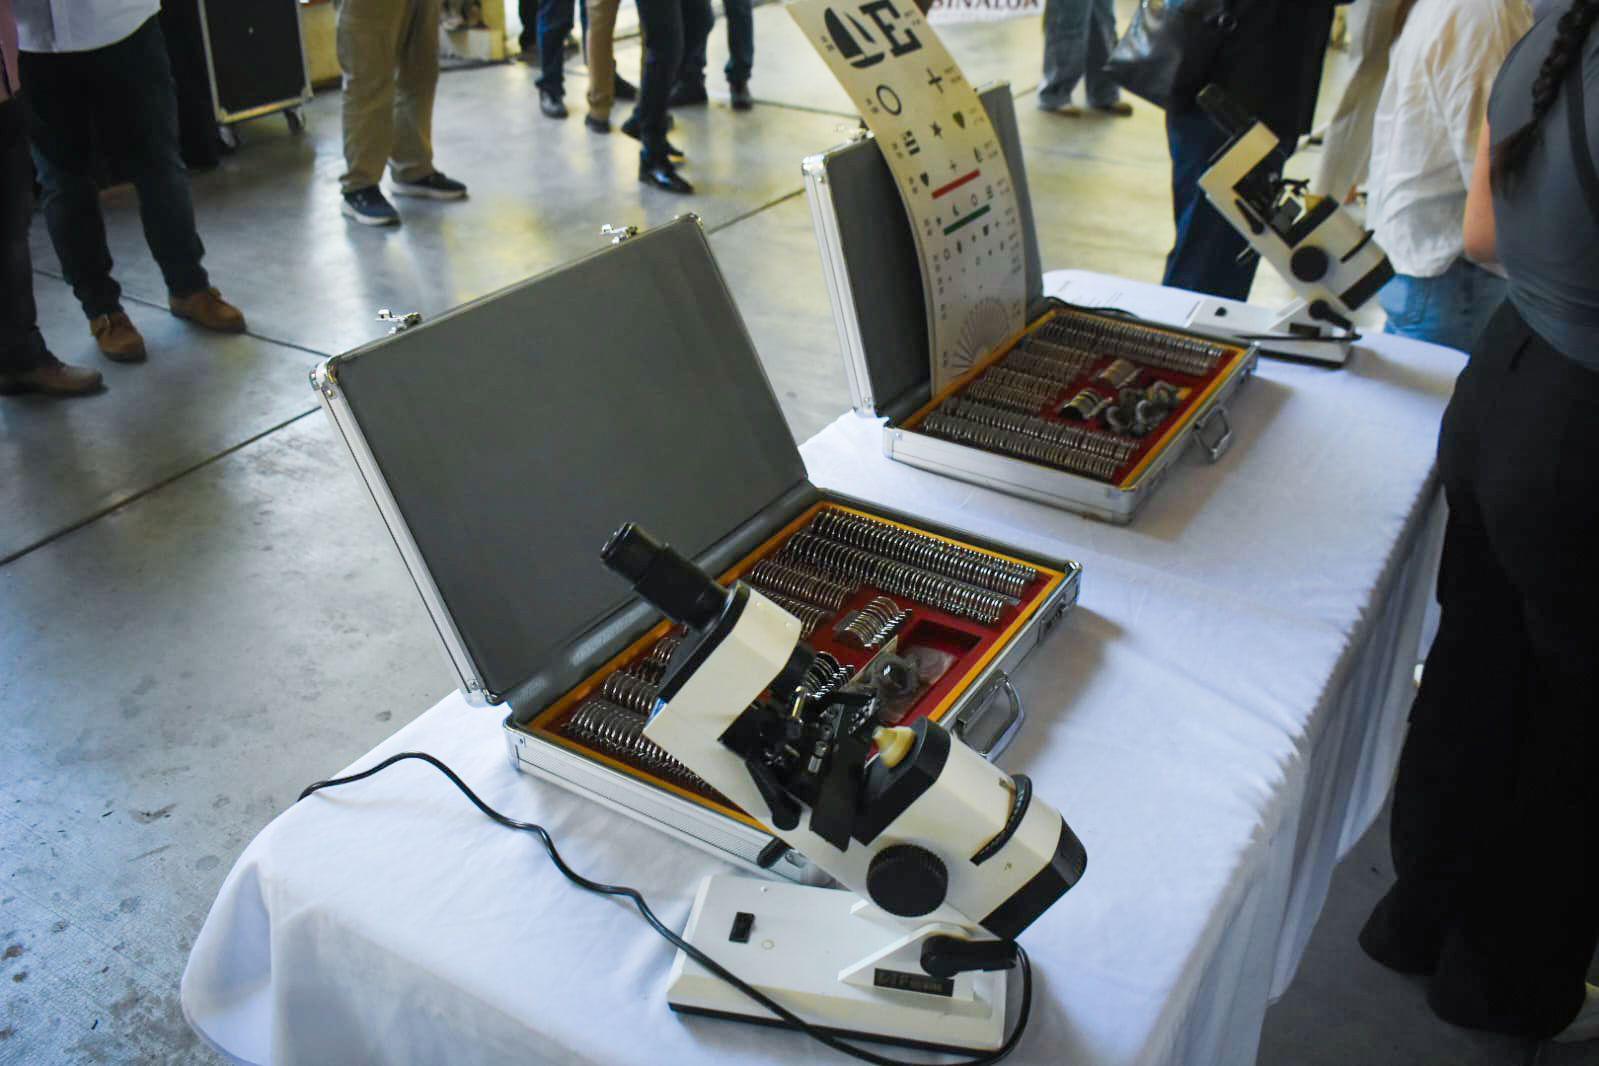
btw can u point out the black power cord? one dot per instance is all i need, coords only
(788, 1017)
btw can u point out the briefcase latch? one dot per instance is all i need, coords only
(618, 234)
(1214, 433)
(399, 323)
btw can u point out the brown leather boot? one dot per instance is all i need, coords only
(207, 308)
(117, 337)
(54, 378)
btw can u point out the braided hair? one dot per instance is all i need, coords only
(1571, 36)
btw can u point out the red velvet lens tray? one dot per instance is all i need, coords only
(973, 645)
(1194, 389)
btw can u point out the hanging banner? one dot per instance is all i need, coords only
(947, 162)
(943, 12)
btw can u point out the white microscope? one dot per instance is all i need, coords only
(946, 858)
(1329, 258)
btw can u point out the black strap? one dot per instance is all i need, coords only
(1581, 150)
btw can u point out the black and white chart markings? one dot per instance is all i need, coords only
(947, 162)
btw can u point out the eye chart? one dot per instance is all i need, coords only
(947, 161)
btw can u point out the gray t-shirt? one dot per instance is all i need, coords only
(1548, 234)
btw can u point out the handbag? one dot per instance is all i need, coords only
(1167, 54)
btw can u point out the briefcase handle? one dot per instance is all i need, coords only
(981, 709)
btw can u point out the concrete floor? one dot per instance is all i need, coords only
(200, 611)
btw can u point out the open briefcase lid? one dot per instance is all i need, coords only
(881, 286)
(506, 439)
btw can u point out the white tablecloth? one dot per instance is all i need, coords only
(1216, 719)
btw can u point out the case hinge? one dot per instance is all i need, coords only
(399, 323)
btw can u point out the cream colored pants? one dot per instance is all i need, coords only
(601, 57)
(389, 51)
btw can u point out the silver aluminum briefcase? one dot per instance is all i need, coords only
(503, 441)
(874, 282)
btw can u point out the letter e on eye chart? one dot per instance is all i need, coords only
(948, 164)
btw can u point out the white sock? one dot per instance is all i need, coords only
(1585, 1026)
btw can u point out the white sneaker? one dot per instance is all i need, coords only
(1585, 1026)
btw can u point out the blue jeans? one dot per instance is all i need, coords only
(1205, 257)
(551, 27)
(740, 46)
(1078, 37)
(124, 94)
(1451, 309)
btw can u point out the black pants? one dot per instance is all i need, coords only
(123, 96)
(21, 346)
(1495, 821)
(1205, 257)
(667, 24)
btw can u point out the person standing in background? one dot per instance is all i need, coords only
(1271, 67)
(690, 87)
(389, 51)
(665, 24)
(1346, 147)
(1495, 832)
(99, 69)
(1424, 141)
(599, 46)
(1078, 37)
(26, 365)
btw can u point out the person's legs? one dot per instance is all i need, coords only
(1451, 309)
(528, 11)
(416, 83)
(740, 16)
(58, 105)
(368, 42)
(26, 365)
(555, 26)
(662, 25)
(137, 117)
(601, 58)
(1517, 954)
(1101, 38)
(21, 347)
(1494, 834)
(1205, 257)
(1066, 24)
(698, 21)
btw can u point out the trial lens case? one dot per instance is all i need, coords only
(873, 277)
(505, 440)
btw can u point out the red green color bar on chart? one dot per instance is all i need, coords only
(973, 217)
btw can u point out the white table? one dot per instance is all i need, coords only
(1217, 720)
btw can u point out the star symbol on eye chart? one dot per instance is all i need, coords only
(938, 131)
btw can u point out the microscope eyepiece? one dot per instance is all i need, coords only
(663, 577)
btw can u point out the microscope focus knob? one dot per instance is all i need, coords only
(907, 880)
(1310, 264)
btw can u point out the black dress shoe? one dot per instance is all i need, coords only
(625, 90)
(686, 95)
(597, 125)
(661, 174)
(552, 106)
(630, 127)
(742, 100)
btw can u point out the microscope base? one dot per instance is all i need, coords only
(838, 964)
(1322, 344)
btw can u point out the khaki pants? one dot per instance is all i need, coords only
(389, 51)
(601, 58)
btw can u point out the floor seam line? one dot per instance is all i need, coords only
(149, 489)
(713, 230)
(142, 302)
